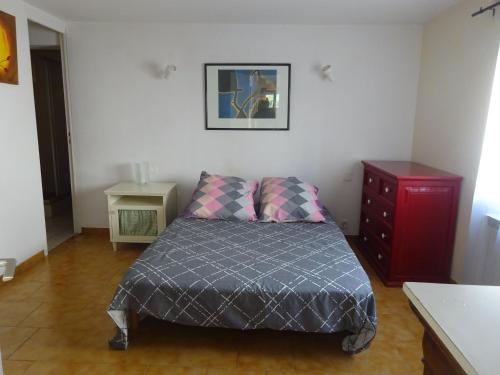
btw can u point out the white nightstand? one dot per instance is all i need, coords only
(139, 213)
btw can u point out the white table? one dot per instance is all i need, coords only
(158, 197)
(462, 320)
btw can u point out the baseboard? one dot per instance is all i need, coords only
(95, 231)
(30, 262)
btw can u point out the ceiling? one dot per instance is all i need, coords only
(311, 12)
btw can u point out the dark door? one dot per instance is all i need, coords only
(51, 122)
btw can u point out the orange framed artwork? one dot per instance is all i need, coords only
(8, 49)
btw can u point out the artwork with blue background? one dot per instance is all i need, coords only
(248, 93)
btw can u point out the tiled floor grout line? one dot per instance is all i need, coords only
(27, 316)
(27, 368)
(31, 363)
(22, 343)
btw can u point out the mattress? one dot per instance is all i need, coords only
(250, 275)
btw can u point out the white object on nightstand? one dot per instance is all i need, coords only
(160, 197)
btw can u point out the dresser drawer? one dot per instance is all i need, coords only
(374, 250)
(367, 238)
(384, 235)
(377, 229)
(368, 220)
(364, 237)
(371, 180)
(385, 212)
(381, 260)
(388, 189)
(369, 199)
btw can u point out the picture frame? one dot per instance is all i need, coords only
(8, 49)
(247, 96)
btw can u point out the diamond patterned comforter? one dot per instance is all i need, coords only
(250, 275)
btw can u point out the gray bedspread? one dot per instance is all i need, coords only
(211, 273)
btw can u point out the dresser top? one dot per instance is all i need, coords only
(410, 170)
(466, 320)
(131, 188)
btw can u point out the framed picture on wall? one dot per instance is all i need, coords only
(8, 49)
(247, 96)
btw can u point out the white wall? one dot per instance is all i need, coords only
(122, 112)
(458, 63)
(22, 223)
(41, 36)
(45, 19)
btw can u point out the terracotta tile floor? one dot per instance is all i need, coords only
(53, 321)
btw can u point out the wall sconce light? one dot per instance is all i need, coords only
(326, 72)
(168, 70)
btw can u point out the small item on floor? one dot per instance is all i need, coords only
(7, 269)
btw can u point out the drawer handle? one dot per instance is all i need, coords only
(368, 201)
(383, 235)
(370, 180)
(365, 239)
(387, 190)
(385, 214)
(367, 220)
(380, 257)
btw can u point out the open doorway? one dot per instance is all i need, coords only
(48, 85)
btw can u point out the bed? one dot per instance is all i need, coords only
(250, 275)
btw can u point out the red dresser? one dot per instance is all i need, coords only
(408, 217)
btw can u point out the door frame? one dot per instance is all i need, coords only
(59, 26)
(69, 132)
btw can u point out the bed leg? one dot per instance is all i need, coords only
(133, 322)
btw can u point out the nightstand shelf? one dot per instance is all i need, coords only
(137, 202)
(139, 213)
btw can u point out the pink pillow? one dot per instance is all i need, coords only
(223, 197)
(288, 200)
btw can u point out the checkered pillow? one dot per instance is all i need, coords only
(288, 200)
(222, 197)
